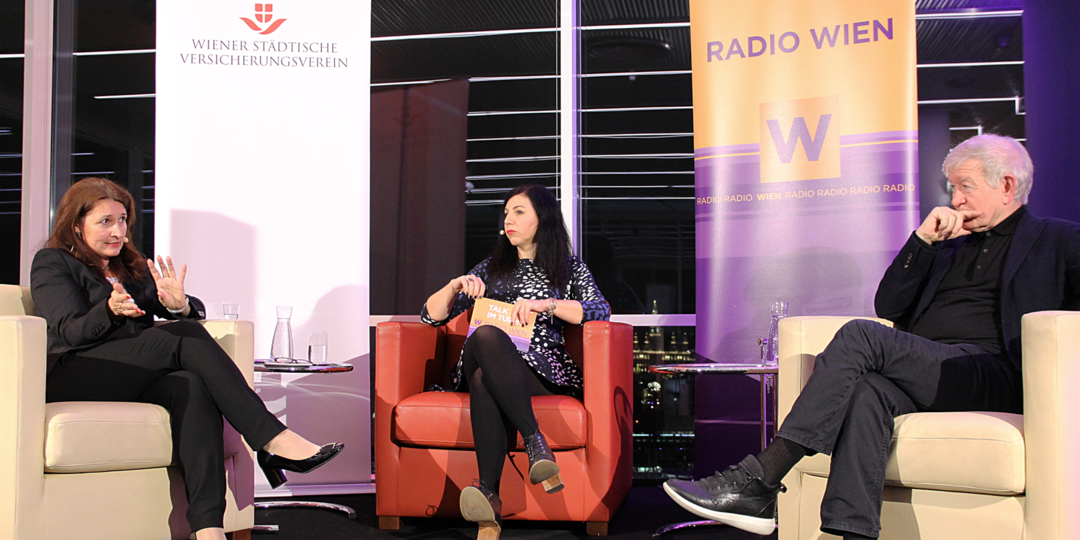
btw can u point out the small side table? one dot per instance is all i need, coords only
(768, 372)
(261, 367)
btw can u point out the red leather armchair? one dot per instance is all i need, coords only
(423, 440)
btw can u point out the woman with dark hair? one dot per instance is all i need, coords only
(99, 296)
(533, 268)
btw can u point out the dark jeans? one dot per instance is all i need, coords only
(180, 367)
(868, 375)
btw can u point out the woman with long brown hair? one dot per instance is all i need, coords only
(99, 296)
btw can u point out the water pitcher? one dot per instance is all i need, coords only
(772, 350)
(281, 348)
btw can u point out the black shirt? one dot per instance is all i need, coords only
(967, 305)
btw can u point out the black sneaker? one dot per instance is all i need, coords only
(736, 497)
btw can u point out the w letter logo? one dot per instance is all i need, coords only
(263, 14)
(800, 139)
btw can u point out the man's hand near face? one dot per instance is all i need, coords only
(944, 223)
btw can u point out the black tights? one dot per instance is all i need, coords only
(501, 386)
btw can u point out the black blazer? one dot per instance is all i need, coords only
(73, 302)
(1041, 272)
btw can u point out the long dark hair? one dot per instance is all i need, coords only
(552, 241)
(76, 203)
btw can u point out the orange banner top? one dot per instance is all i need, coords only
(857, 55)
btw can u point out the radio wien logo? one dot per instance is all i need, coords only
(811, 123)
(263, 14)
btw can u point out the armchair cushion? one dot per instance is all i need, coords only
(970, 452)
(441, 420)
(106, 436)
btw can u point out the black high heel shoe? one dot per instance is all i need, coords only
(274, 466)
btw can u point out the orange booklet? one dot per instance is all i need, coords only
(495, 313)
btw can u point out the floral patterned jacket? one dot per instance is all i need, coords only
(546, 354)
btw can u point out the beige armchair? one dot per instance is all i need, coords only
(968, 475)
(91, 470)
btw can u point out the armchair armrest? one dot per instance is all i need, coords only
(22, 425)
(801, 340)
(238, 339)
(1051, 371)
(404, 354)
(608, 371)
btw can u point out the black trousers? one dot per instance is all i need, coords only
(180, 367)
(868, 375)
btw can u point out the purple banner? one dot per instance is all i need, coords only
(820, 245)
(806, 177)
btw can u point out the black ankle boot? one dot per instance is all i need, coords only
(542, 466)
(274, 467)
(480, 505)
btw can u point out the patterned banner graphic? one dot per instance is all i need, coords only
(806, 170)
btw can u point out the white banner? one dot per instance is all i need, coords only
(262, 188)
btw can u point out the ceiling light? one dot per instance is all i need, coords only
(114, 53)
(968, 14)
(629, 49)
(126, 96)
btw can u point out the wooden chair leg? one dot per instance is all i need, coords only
(596, 528)
(389, 523)
(241, 535)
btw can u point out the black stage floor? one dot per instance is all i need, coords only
(645, 510)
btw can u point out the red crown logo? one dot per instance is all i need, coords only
(263, 13)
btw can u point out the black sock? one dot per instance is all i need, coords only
(778, 458)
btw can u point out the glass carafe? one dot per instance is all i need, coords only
(281, 348)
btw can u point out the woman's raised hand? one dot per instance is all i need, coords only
(470, 285)
(121, 304)
(170, 283)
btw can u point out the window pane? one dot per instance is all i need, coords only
(12, 21)
(637, 157)
(112, 95)
(457, 121)
(989, 66)
(664, 404)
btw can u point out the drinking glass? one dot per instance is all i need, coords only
(231, 311)
(317, 348)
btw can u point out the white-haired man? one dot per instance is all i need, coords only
(956, 291)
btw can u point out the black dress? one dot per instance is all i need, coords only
(546, 354)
